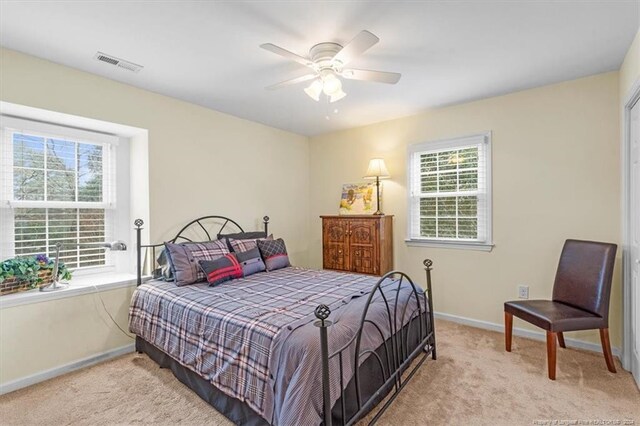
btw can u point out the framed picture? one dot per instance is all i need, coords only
(358, 198)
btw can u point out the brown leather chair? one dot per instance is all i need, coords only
(580, 299)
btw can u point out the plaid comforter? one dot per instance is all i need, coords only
(233, 334)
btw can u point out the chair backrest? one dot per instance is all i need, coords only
(584, 275)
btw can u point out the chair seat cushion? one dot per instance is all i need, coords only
(554, 316)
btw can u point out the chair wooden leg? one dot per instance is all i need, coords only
(508, 330)
(561, 340)
(606, 349)
(551, 354)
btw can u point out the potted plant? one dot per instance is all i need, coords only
(26, 273)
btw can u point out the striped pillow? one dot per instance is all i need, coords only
(220, 270)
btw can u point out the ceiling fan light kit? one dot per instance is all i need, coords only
(329, 84)
(337, 96)
(327, 60)
(314, 90)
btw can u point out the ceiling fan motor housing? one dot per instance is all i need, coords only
(322, 54)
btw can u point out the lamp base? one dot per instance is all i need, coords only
(54, 286)
(378, 212)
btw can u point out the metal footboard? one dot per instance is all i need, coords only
(397, 353)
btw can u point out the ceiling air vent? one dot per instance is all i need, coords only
(120, 63)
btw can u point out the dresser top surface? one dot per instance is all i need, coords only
(355, 216)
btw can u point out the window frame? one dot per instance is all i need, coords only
(11, 125)
(439, 145)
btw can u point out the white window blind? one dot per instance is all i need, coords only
(449, 187)
(58, 186)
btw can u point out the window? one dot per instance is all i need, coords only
(449, 187)
(58, 186)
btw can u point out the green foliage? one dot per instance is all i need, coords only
(27, 268)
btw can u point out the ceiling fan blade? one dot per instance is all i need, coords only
(368, 75)
(289, 55)
(292, 81)
(362, 42)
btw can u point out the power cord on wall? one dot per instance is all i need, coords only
(104, 306)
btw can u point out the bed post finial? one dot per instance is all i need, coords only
(265, 220)
(138, 224)
(428, 263)
(322, 313)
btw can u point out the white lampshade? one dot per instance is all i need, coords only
(331, 85)
(337, 96)
(377, 169)
(314, 90)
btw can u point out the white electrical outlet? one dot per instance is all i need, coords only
(523, 291)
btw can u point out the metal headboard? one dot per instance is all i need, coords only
(205, 225)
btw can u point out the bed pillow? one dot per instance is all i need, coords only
(244, 235)
(254, 235)
(184, 258)
(164, 267)
(222, 269)
(240, 245)
(274, 254)
(251, 261)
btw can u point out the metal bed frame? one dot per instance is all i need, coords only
(396, 348)
(398, 356)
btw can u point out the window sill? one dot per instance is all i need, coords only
(460, 245)
(77, 286)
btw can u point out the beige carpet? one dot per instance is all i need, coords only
(473, 382)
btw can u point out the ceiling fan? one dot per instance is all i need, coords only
(327, 62)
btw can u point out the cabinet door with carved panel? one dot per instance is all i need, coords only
(335, 236)
(362, 246)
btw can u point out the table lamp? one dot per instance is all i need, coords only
(377, 170)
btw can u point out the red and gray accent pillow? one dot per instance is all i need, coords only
(184, 259)
(220, 270)
(274, 253)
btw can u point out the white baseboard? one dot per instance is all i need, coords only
(531, 334)
(63, 369)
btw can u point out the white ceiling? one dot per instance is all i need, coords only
(448, 52)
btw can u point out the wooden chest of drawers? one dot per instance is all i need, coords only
(362, 244)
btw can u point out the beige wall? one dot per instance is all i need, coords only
(630, 69)
(47, 335)
(556, 175)
(200, 162)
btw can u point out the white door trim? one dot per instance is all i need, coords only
(627, 343)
